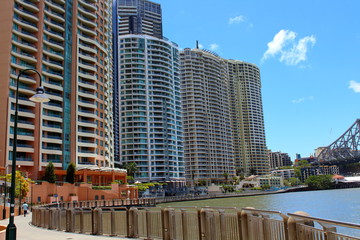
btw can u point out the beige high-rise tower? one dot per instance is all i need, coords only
(208, 147)
(222, 116)
(247, 118)
(69, 43)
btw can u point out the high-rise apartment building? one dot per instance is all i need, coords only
(222, 116)
(279, 159)
(247, 118)
(140, 17)
(206, 115)
(149, 94)
(69, 43)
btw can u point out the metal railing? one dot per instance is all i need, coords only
(105, 217)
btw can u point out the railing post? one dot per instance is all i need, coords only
(52, 218)
(70, 220)
(222, 224)
(169, 228)
(291, 224)
(203, 224)
(184, 224)
(133, 223)
(148, 226)
(82, 223)
(239, 224)
(244, 225)
(330, 232)
(96, 215)
(112, 222)
(58, 217)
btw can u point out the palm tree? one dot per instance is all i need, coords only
(226, 176)
(131, 169)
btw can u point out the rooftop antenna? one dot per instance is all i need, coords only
(197, 44)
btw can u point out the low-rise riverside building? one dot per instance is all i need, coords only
(318, 170)
(44, 192)
(261, 181)
(285, 173)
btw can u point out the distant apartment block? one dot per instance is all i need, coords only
(206, 115)
(284, 173)
(139, 17)
(69, 43)
(318, 170)
(279, 159)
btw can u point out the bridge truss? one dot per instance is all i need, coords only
(345, 147)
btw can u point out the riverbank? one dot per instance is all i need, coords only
(247, 193)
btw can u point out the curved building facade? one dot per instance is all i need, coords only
(247, 118)
(69, 43)
(206, 115)
(150, 120)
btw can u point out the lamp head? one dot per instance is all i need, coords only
(40, 96)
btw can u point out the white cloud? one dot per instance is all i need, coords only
(303, 99)
(237, 19)
(201, 46)
(214, 46)
(355, 86)
(291, 52)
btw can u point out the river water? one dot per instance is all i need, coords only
(337, 204)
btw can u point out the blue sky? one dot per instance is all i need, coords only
(308, 53)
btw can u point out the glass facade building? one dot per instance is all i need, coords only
(69, 43)
(150, 119)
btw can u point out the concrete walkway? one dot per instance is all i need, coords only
(25, 231)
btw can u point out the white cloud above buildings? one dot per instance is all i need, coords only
(237, 19)
(288, 50)
(355, 86)
(303, 99)
(214, 46)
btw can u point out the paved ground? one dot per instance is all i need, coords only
(25, 231)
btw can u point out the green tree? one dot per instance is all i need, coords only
(226, 176)
(239, 171)
(294, 181)
(50, 173)
(70, 173)
(131, 169)
(319, 182)
(21, 184)
(253, 171)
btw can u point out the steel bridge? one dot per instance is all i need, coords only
(345, 149)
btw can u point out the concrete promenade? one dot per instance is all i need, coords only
(25, 231)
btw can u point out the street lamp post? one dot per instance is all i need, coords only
(38, 97)
(4, 209)
(20, 195)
